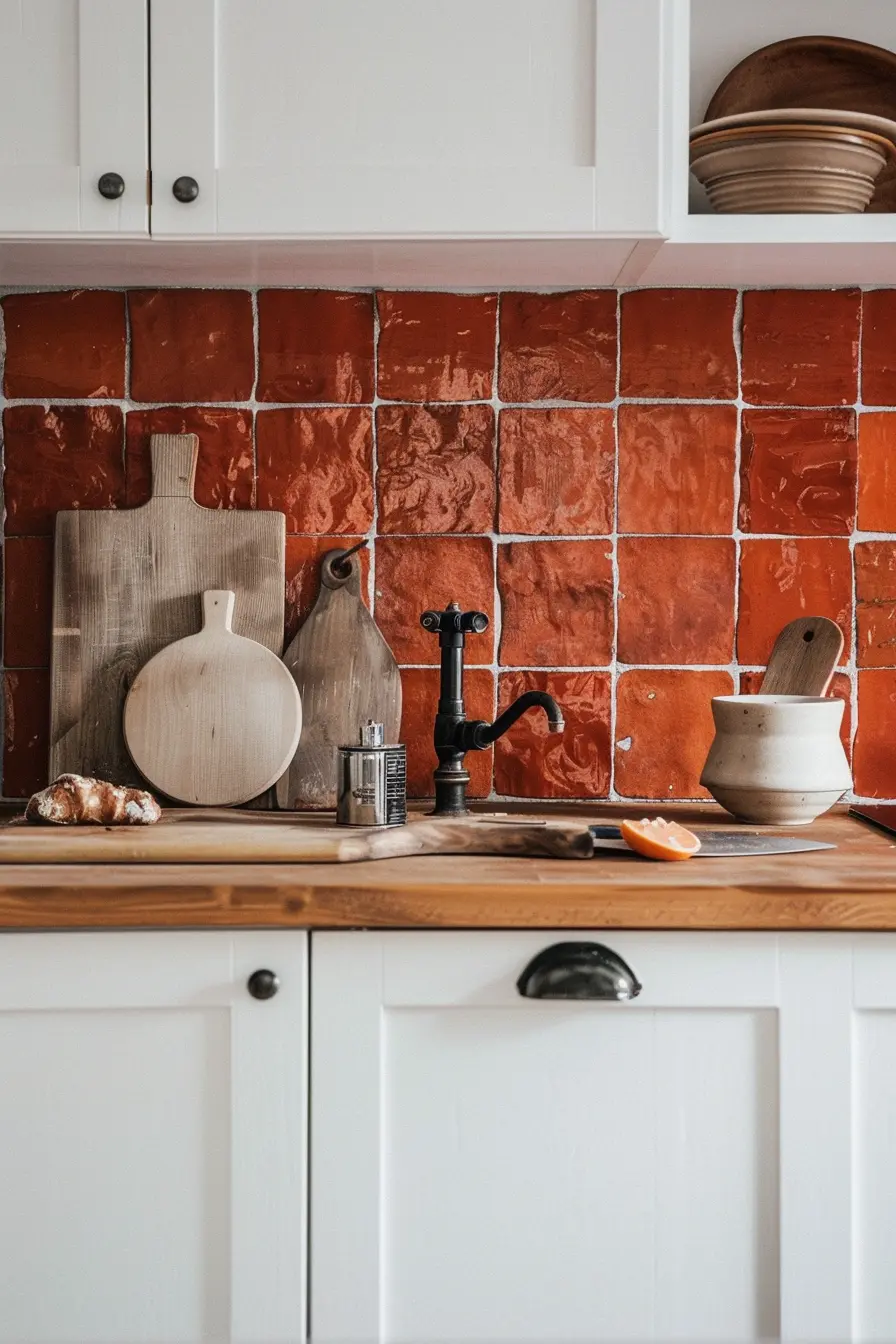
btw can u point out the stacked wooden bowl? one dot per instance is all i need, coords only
(792, 160)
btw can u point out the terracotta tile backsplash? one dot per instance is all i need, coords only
(638, 488)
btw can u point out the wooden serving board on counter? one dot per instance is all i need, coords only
(127, 582)
(225, 836)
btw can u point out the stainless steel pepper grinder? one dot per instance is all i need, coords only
(371, 788)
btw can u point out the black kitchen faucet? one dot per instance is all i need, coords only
(454, 735)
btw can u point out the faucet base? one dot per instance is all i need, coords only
(451, 782)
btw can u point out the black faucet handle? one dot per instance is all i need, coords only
(452, 624)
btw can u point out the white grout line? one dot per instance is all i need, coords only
(614, 668)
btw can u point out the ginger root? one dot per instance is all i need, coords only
(73, 800)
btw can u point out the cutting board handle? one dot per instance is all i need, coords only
(217, 610)
(173, 465)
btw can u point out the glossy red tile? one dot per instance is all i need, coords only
(875, 567)
(28, 614)
(417, 574)
(26, 741)
(68, 344)
(678, 343)
(664, 729)
(435, 468)
(64, 457)
(225, 470)
(878, 351)
(798, 472)
(555, 472)
(676, 599)
(558, 346)
(781, 580)
(556, 603)
(420, 695)
(436, 347)
(191, 345)
(877, 471)
(874, 751)
(303, 557)
(530, 762)
(801, 347)
(315, 345)
(316, 466)
(676, 468)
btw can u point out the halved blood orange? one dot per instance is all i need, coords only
(659, 839)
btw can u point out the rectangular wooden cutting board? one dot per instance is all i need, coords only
(127, 582)
(219, 835)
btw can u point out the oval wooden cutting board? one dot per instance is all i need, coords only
(214, 719)
(345, 674)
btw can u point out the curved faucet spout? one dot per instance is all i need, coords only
(483, 734)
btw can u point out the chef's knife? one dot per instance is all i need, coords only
(720, 844)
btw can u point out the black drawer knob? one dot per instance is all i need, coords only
(111, 186)
(262, 984)
(185, 189)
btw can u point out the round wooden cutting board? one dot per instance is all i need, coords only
(214, 719)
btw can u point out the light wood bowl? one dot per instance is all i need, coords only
(841, 134)
(789, 173)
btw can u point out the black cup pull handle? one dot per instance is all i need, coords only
(262, 984)
(578, 971)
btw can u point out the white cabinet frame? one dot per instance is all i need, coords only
(619, 196)
(113, 136)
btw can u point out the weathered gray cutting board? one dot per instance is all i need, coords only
(128, 582)
(346, 674)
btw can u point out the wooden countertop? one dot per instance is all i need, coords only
(851, 887)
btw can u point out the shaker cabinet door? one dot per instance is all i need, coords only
(279, 118)
(152, 1130)
(488, 1166)
(74, 111)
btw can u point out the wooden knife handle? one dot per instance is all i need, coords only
(554, 840)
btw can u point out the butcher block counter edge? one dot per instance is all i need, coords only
(850, 887)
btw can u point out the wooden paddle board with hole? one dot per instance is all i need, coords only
(804, 658)
(214, 719)
(128, 581)
(345, 674)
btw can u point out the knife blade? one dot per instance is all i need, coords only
(721, 844)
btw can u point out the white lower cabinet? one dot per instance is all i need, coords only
(152, 1138)
(711, 1160)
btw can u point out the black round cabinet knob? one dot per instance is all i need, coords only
(263, 984)
(185, 189)
(111, 186)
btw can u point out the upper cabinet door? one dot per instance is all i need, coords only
(406, 117)
(73, 105)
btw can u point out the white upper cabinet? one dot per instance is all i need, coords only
(152, 1138)
(707, 38)
(406, 117)
(73, 106)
